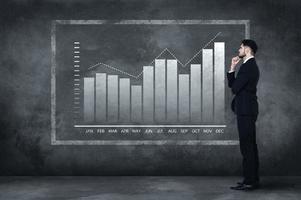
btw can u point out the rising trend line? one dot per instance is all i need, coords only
(203, 48)
(164, 50)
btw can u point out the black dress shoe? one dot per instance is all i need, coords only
(240, 183)
(243, 182)
(246, 187)
(237, 187)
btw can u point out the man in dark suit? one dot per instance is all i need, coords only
(245, 106)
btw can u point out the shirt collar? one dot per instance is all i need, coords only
(248, 59)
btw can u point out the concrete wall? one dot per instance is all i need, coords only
(25, 91)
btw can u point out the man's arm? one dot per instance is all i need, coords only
(238, 82)
(231, 78)
(231, 74)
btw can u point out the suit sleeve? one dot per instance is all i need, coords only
(238, 82)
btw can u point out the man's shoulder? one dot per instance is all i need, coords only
(251, 68)
(250, 61)
(249, 64)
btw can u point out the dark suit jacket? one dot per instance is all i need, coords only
(244, 87)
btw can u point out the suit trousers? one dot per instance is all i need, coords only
(248, 147)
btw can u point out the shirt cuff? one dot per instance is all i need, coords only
(231, 71)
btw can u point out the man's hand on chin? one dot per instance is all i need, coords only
(234, 62)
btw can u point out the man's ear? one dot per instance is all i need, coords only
(248, 50)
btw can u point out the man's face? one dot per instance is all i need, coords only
(242, 51)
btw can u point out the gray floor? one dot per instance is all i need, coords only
(145, 187)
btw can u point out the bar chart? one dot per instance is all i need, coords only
(164, 96)
(143, 82)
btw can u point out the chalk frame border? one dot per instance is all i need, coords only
(54, 141)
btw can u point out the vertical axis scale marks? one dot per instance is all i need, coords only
(76, 77)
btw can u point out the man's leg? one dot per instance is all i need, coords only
(248, 147)
(256, 151)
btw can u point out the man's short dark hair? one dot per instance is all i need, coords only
(250, 43)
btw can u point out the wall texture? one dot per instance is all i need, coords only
(25, 91)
